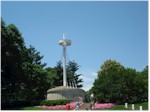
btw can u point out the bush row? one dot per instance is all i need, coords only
(12, 105)
(55, 102)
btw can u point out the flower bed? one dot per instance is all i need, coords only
(103, 105)
(60, 107)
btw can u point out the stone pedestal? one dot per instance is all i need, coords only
(65, 93)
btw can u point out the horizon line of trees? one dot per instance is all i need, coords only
(23, 75)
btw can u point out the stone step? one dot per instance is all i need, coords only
(85, 106)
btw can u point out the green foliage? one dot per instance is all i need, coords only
(144, 76)
(87, 95)
(12, 45)
(55, 75)
(107, 85)
(23, 75)
(35, 76)
(117, 84)
(72, 67)
(55, 102)
(12, 104)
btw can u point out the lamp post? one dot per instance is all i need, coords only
(92, 100)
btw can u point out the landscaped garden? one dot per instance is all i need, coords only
(110, 106)
(103, 106)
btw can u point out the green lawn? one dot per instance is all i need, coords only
(136, 106)
(31, 108)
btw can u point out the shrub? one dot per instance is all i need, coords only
(35, 102)
(13, 104)
(55, 102)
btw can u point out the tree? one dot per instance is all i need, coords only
(56, 74)
(72, 67)
(12, 45)
(143, 75)
(23, 75)
(22, 72)
(108, 81)
(130, 85)
(118, 84)
(35, 83)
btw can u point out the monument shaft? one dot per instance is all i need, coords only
(64, 42)
(63, 92)
(64, 67)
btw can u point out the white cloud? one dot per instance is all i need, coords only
(88, 80)
(94, 74)
(86, 87)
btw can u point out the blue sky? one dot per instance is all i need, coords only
(98, 31)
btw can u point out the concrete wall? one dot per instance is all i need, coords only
(68, 94)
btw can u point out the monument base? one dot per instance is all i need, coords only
(65, 93)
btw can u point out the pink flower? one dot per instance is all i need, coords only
(103, 105)
(58, 107)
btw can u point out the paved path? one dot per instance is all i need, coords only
(84, 106)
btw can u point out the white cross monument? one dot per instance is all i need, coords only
(63, 92)
(64, 42)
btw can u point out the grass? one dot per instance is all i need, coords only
(31, 108)
(136, 106)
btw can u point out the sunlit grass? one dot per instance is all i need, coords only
(31, 108)
(137, 107)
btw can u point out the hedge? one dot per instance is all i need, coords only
(13, 104)
(55, 102)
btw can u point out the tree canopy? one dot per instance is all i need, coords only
(23, 75)
(56, 74)
(118, 84)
